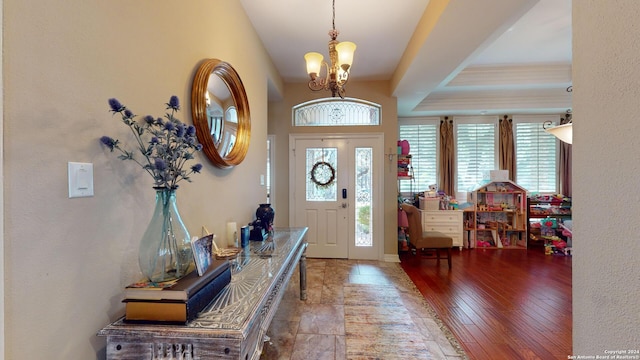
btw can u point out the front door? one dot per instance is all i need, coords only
(336, 183)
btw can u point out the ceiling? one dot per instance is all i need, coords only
(442, 57)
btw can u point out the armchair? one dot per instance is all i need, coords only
(423, 241)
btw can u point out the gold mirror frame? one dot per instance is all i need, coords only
(230, 77)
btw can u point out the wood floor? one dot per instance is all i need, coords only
(501, 304)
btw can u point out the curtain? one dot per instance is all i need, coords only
(565, 162)
(507, 149)
(446, 173)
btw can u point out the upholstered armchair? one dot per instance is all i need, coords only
(426, 242)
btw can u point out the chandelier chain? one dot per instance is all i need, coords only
(333, 20)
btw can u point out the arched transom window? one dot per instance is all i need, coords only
(336, 112)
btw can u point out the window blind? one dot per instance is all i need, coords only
(475, 154)
(423, 141)
(536, 168)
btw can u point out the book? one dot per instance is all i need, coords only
(181, 289)
(175, 311)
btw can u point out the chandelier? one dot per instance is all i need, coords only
(337, 73)
(563, 132)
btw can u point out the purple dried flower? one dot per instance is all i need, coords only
(180, 130)
(160, 164)
(169, 126)
(109, 142)
(170, 144)
(115, 105)
(196, 168)
(174, 103)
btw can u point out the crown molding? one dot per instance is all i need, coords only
(531, 76)
(496, 101)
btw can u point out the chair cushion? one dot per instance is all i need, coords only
(434, 239)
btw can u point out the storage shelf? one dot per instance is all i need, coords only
(548, 208)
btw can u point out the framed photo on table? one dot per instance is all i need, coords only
(202, 253)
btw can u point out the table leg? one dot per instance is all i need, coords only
(303, 276)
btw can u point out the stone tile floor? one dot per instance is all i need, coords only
(357, 310)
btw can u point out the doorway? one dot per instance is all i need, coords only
(336, 191)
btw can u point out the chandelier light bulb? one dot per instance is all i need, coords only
(314, 62)
(345, 50)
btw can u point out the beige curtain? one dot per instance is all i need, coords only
(507, 149)
(565, 162)
(447, 171)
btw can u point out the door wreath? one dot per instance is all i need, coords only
(323, 174)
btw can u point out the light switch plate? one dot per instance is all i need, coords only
(80, 179)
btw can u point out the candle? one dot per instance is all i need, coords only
(232, 234)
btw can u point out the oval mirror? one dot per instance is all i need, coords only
(220, 111)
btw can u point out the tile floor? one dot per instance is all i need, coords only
(357, 310)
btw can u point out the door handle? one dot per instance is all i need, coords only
(344, 193)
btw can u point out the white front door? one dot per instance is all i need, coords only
(336, 187)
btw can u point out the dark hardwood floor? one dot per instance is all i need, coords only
(501, 304)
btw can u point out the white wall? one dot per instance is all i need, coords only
(67, 260)
(606, 173)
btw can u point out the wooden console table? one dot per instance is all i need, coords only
(233, 326)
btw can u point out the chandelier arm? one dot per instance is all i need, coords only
(320, 83)
(343, 77)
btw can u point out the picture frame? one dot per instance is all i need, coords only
(202, 253)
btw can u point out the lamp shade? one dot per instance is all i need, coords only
(562, 132)
(345, 50)
(314, 62)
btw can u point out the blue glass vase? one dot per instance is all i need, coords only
(165, 249)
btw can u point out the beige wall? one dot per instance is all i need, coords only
(67, 260)
(280, 125)
(606, 173)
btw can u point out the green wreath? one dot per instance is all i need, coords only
(320, 174)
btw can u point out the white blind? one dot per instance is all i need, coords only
(476, 153)
(536, 158)
(423, 141)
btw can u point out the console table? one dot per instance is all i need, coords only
(233, 326)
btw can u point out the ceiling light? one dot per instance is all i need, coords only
(563, 132)
(337, 73)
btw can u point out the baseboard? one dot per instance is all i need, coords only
(391, 258)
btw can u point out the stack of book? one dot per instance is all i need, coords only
(177, 301)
